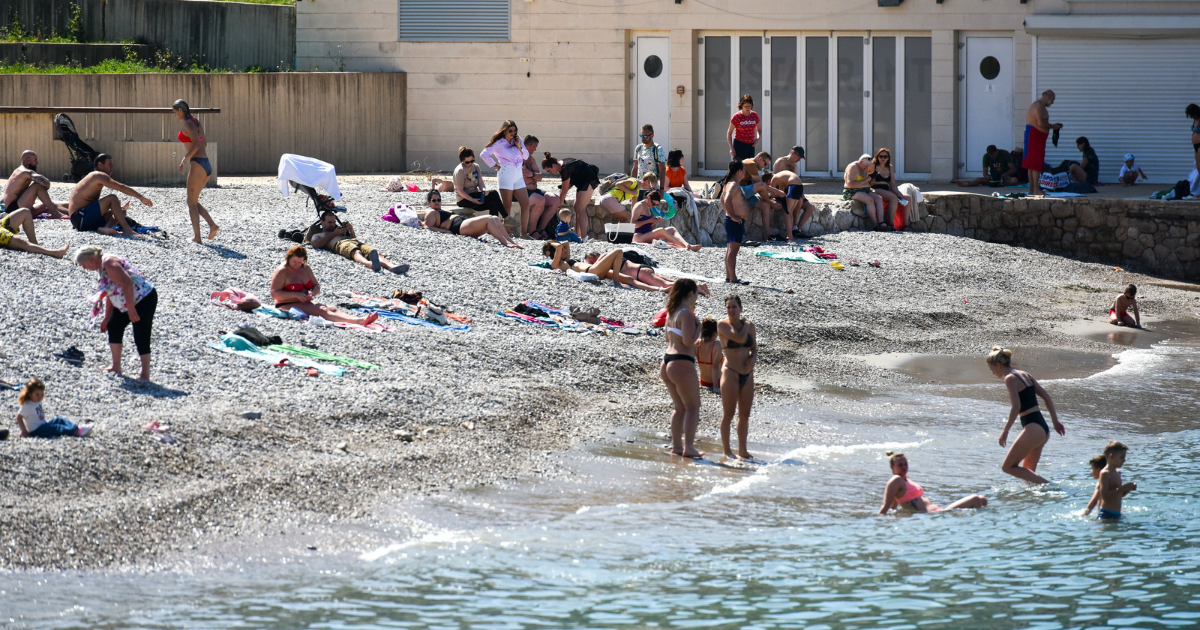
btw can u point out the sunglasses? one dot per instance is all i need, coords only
(647, 135)
(469, 162)
(513, 130)
(436, 200)
(885, 157)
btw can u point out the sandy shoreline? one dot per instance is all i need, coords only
(487, 406)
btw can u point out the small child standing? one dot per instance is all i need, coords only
(563, 231)
(1109, 486)
(1130, 171)
(32, 421)
(1119, 315)
(1098, 463)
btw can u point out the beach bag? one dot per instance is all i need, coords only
(1051, 181)
(660, 319)
(638, 258)
(607, 183)
(395, 185)
(621, 233)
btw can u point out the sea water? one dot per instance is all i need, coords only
(633, 539)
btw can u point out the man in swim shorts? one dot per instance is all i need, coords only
(737, 213)
(10, 227)
(28, 188)
(795, 201)
(91, 213)
(1037, 130)
(791, 161)
(343, 241)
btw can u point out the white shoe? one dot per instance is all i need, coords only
(84, 429)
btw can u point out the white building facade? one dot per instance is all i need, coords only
(936, 81)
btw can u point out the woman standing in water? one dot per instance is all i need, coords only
(195, 163)
(737, 375)
(1023, 392)
(678, 367)
(902, 492)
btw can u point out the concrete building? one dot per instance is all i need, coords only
(934, 80)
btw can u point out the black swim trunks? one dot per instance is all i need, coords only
(795, 191)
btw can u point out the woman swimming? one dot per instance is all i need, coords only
(678, 367)
(902, 492)
(737, 375)
(1023, 392)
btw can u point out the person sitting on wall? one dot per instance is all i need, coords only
(999, 170)
(790, 162)
(793, 187)
(28, 188)
(91, 213)
(761, 192)
(644, 221)
(342, 240)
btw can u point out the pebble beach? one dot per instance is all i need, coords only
(270, 453)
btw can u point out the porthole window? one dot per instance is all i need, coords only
(653, 66)
(989, 68)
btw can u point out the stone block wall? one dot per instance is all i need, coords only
(1155, 237)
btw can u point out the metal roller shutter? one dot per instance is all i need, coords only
(454, 20)
(1127, 95)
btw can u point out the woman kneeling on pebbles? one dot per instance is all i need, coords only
(118, 281)
(294, 285)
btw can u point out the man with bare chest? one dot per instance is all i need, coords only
(28, 188)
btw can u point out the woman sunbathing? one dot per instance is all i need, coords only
(293, 285)
(602, 266)
(440, 220)
(644, 221)
(633, 265)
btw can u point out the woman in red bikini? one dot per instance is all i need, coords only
(709, 356)
(901, 492)
(294, 286)
(195, 163)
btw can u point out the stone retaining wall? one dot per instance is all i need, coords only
(1155, 237)
(41, 54)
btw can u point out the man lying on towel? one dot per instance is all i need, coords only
(342, 240)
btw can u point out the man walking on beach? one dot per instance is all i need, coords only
(90, 213)
(28, 188)
(1037, 130)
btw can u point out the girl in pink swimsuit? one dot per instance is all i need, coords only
(903, 493)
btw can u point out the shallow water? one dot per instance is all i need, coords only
(631, 539)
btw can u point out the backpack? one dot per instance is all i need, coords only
(607, 183)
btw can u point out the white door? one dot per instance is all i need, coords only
(989, 99)
(653, 90)
(1132, 103)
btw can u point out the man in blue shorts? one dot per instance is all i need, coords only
(737, 211)
(91, 213)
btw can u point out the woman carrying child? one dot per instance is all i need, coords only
(644, 220)
(1023, 392)
(31, 420)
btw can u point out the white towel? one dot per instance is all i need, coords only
(583, 277)
(307, 171)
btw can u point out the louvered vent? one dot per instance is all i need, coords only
(454, 20)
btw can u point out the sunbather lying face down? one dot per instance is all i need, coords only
(293, 285)
(443, 221)
(643, 274)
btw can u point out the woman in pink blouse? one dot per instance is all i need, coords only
(506, 153)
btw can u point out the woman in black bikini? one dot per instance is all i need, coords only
(195, 163)
(883, 180)
(1023, 391)
(293, 285)
(602, 266)
(634, 266)
(678, 367)
(440, 220)
(737, 375)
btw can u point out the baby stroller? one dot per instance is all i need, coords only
(305, 174)
(83, 156)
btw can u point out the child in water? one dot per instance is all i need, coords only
(1098, 463)
(1118, 314)
(1109, 486)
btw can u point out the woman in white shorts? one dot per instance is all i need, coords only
(506, 153)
